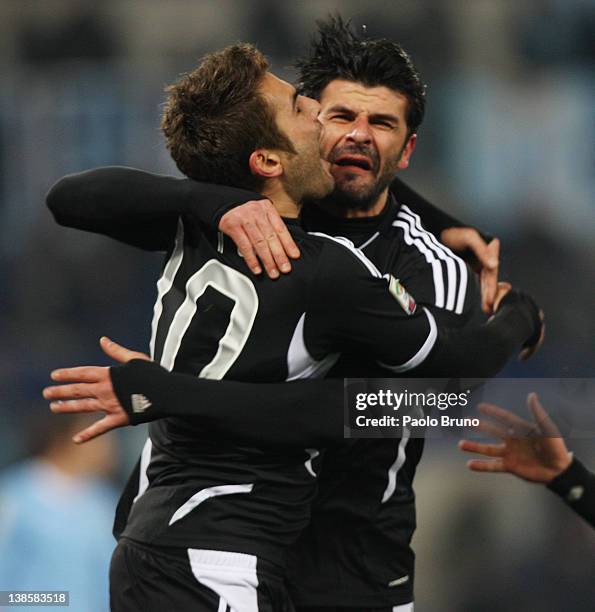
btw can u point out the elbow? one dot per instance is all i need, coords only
(55, 199)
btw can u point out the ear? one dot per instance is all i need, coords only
(265, 163)
(407, 152)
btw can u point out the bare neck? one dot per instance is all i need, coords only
(286, 206)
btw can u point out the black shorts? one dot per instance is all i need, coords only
(152, 579)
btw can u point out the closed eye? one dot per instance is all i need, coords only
(383, 124)
(341, 117)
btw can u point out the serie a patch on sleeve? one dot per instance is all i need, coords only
(401, 295)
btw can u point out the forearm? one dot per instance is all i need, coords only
(137, 207)
(576, 486)
(482, 351)
(298, 413)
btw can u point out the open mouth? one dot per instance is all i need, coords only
(354, 161)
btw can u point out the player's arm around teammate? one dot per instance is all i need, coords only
(141, 209)
(221, 404)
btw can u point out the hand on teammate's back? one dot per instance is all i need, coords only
(261, 237)
(90, 389)
(487, 259)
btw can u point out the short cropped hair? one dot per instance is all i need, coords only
(215, 117)
(336, 52)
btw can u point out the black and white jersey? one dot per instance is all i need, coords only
(356, 550)
(214, 321)
(397, 242)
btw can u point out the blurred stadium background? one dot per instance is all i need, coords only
(508, 144)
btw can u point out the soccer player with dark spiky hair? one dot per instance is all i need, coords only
(357, 82)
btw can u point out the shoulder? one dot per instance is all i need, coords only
(342, 254)
(441, 278)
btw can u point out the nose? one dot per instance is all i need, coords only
(360, 131)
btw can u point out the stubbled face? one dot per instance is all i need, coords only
(365, 139)
(305, 174)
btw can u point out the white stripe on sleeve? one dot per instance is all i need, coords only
(421, 234)
(423, 352)
(461, 290)
(437, 273)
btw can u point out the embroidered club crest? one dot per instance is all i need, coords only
(400, 294)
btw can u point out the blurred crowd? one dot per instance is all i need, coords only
(508, 144)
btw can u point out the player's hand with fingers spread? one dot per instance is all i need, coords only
(487, 254)
(534, 451)
(90, 389)
(260, 234)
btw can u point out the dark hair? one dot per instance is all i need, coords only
(336, 52)
(215, 117)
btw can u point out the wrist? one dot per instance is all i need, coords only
(562, 465)
(130, 382)
(526, 307)
(574, 474)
